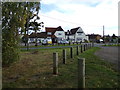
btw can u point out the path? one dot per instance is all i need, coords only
(109, 54)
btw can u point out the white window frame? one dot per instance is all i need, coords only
(49, 33)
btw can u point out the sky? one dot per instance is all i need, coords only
(90, 15)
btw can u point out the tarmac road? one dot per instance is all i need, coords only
(49, 47)
(110, 54)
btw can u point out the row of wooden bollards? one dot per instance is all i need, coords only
(81, 63)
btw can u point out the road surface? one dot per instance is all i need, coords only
(110, 54)
(49, 47)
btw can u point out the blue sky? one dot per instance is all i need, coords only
(48, 7)
(90, 15)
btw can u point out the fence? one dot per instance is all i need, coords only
(72, 54)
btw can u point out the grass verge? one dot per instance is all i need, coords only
(49, 45)
(34, 70)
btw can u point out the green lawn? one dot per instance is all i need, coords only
(34, 70)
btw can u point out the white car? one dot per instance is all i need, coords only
(63, 42)
(44, 42)
(47, 41)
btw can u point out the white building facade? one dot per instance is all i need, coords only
(76, 35)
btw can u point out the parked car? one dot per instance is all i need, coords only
(63, 42)
(49, 41)
(44, 42)
(59, 42)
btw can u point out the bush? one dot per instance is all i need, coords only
(86, 41)
(10, 50)
(9, 55)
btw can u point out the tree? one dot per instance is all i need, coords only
(114, 38)
(30, 16)
(32, 23)
(107, 38)
(36, 27)
(118, 39)
(14, 16)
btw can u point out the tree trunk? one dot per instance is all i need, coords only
(27, 34)
(36, 38)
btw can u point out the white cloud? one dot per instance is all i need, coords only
(81, 14)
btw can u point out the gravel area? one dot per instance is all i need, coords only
(110, 54)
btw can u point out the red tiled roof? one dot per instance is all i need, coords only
(44, 34)
(53, 30)
(50, 29)
(39, 35)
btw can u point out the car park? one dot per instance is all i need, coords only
(63, 42)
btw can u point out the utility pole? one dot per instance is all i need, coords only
(103, 34)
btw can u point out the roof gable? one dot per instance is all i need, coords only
(53, 30)
(39, 35)
(74, 30)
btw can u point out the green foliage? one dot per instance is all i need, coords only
(31, 21)
(9, 33)
(14, 15)
(86, 41)
(119, 40)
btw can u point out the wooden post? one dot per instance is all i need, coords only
(55, 63)
(81, 49)
(84, 47)
(81, 73)
(77, 50)
(64, 56)
(71, 52)
(92, 44)
(89, 45)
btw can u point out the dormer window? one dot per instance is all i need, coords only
(49, 33)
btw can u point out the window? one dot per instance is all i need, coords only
(49, 37)
(59, 38)
(79, 39)
(79, 33)
(49, 33)
(59, 33)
